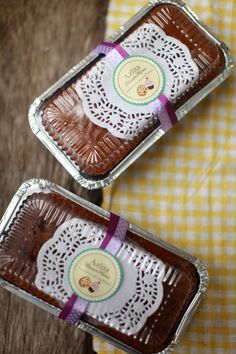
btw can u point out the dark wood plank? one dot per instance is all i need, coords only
(39, 42)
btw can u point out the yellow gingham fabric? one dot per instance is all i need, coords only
(183, 189)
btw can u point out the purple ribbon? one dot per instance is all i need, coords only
(73, 309)
(107, 47)
(162, 107)
(115, 235)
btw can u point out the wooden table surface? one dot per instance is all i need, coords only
(39, 42)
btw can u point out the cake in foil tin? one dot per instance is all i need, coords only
(96, 125)
(43, 231)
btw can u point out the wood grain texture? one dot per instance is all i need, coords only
(39, 42)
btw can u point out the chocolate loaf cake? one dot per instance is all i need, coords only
(48, 231)
(93, 128)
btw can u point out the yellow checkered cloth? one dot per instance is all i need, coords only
(183, 189)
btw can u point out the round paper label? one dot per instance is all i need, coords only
(139, 80)
(95, 275)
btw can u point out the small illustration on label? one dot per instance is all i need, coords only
(149, 84)
(139, 80)
(95, 275)
(85, 282)
(141, 90)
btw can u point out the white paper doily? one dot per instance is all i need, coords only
(107, 109)
(141, 290)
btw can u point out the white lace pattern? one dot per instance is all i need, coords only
(141, 291)
(102, 104)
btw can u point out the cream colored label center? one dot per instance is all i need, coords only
(138, 80)
(95, 275)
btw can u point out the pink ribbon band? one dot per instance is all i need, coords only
(68, 307)
(169, 108)
(73, 309)
(115, 235)
(107, 47)
(114, 219)
(162, 107)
